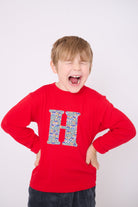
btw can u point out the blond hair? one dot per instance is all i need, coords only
(68, 47)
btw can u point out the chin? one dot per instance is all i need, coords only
(75, 90)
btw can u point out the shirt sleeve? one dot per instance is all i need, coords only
(16, 123)
(121, 129)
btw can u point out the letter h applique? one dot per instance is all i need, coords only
(70, 128)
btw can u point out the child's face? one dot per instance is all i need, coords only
(72, 74)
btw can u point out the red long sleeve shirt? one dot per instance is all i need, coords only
(67, 125)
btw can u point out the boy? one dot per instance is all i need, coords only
(69, 115)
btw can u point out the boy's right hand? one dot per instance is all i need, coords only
(37, 158)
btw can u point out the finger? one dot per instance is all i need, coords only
(37, 162)
(88, 160)
(37, 159)
(95, 164)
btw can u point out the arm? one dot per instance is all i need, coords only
(16, 121)
(121, 129)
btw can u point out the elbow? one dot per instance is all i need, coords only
(134, 132)
(131, 130)
(5, 125)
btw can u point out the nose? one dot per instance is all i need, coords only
(76, 66)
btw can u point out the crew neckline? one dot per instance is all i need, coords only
(68, 92)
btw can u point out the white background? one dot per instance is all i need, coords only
(28, 28)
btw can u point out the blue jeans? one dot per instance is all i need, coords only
(84, 198)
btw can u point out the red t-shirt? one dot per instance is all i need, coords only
(67, 125)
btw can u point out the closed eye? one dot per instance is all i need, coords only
(68, 62)
(84, 62)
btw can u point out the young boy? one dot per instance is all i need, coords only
(69, 115)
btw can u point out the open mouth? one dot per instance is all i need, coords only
(75, 79)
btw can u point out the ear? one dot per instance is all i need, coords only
(53, 67)
(90, 68)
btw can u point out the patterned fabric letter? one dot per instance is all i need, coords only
(55, 123)
(70, 128)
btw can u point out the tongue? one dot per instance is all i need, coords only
(74, 80)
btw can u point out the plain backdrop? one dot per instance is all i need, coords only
(28, 28)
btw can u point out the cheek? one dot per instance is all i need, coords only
(86, 72)
(63, 74)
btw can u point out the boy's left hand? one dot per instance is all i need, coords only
(91, 157)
